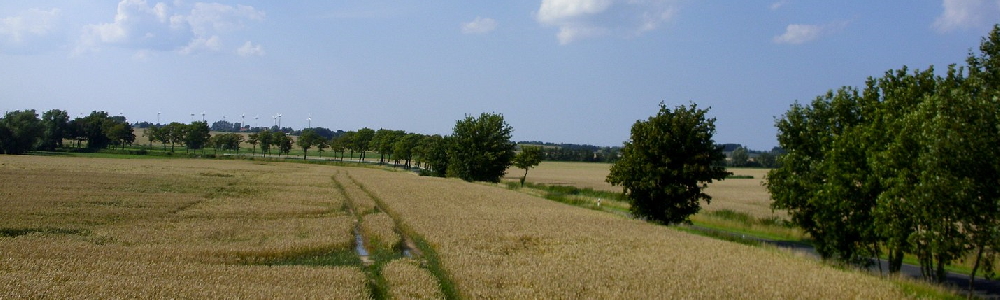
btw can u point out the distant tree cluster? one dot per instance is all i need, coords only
(22, 131)
(270, 139)
(905, 165)
(575, 152)
(195, 135)
(741, 157)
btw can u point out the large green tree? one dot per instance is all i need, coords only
(94, 128)
(56, 128)
(667, 163)
(20, 130)
(480, 148)
(434, 154)
(197, 134)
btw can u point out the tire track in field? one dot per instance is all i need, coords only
(359, 200)
(413, 245)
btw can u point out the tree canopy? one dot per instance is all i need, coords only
(667, 162)
(529, 157)
(480, 148)
(905, 165)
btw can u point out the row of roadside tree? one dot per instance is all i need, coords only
(479, 149)
(909, 164)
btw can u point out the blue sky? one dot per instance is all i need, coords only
(558, 70)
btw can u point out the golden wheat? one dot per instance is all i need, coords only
(499, 244)
(741, 195)
(379, 229)
(407, 280)
(362, 203)
(104, 228)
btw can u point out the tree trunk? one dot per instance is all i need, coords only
(940, 274)
(895, 260)
(975, 266)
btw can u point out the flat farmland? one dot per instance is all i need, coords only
(741, 195)
(106, 228)
(497, 243)
(182, 228)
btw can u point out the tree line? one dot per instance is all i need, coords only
(574, 152)
(22, 131)
(906, 164)
(479, 148)
(742, 157)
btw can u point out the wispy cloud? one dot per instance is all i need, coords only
(581, 19)
(479, 26)
(33, 22)
(796, 34)
(249, 49)
(778, 4)
(162, 27)
(29, 30)
(964, 14)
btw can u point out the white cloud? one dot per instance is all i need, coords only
(779, 4)
(800, 33)
(964, 14)
(165, 27)
(479, 25)
(581, 19)
(202, 44)
(28, 24)
(249, 49)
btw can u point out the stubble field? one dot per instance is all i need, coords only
(104, 228)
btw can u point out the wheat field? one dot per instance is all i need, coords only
(742, 195)
(180, 228)
(106, 228)
(502, 244)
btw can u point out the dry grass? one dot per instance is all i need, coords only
(501, 244)
(104, 228)
(407, 280)
(742, 195)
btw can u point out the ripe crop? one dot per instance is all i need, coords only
(497, 243)
(104, 228)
